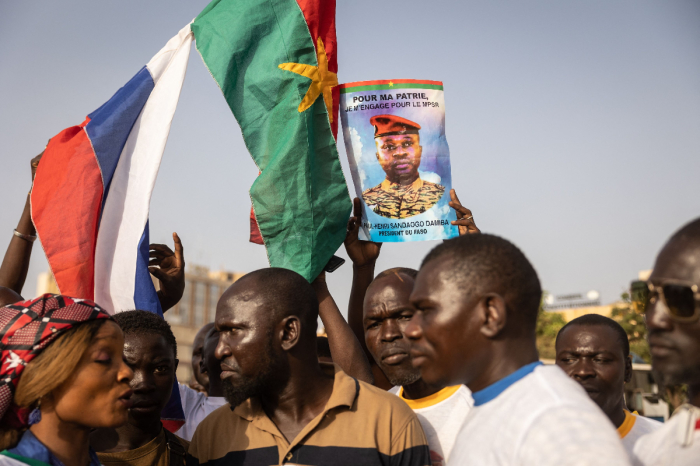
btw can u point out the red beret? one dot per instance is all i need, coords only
(389, 125)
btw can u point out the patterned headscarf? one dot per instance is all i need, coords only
(26, 329)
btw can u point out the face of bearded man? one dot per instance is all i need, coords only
(241, 385)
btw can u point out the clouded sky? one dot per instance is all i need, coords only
(574, 127)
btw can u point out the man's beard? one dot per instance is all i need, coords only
(402, 377)
(238, 390)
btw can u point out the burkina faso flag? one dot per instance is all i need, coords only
(275, 62)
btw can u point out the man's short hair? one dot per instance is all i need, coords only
(597, 319)
(288, 293)
(397, 270)
(487, 263)
(146, 323)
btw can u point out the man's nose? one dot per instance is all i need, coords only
(222, 349)
(390, 330)
(125, 373)
(657, 317)
(142, 381)
(583, 370)
(414, 329)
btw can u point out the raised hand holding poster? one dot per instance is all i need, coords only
(394, 135)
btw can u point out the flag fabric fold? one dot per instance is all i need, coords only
(92, 191)
(275, 62)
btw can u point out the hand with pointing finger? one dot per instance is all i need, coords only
(465, 219)
(169, 268)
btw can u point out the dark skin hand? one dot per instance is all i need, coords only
(465, 219)
(593, 356)
(169, 268)
(458, 339)
(345, 348)
(154, 364)
(363, 255)
(675, 346)
(15, 264)
(387, 311)
(298, 390)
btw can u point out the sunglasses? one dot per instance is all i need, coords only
(680, 298)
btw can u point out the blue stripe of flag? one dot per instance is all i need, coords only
(110, 125)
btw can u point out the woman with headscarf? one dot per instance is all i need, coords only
(61, 375)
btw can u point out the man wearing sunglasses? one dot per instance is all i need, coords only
(672, 307)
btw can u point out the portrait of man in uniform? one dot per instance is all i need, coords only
(403, 193)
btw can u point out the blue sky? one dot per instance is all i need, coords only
(574, 127)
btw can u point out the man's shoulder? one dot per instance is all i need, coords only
(556, 387)
(173, 437)
(429, 187)
(382, 402)
(373, 192)
(221, 418)
(655, 445)
(645, 424)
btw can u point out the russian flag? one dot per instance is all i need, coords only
(92, 190)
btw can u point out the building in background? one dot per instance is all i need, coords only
(203, 288)
(197, 307)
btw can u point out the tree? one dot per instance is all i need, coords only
(548, 326)
(629, 315)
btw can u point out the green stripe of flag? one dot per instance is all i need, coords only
(300, 199)
(382, 87)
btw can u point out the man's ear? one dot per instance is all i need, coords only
(177, 362)
(290, 332)
(202, 366)
(493, 311)
(628, 369)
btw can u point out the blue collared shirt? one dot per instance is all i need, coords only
(495, 389)
(30, 447)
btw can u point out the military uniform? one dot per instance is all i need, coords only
(392, 200)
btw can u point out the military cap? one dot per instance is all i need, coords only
(390, 125)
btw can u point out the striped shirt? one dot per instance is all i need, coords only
(360, 424)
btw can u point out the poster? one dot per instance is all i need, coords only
(394, 135)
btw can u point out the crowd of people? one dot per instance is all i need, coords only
(433, 366)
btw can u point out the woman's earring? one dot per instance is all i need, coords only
(35, 415)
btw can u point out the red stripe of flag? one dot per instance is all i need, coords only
(68, 183)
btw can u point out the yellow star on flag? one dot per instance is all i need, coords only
(322, 80)
(391, 84)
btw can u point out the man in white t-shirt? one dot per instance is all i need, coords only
(198, 405)
(671, 300)
(440, 409)
(477, 299)
(595, 352)
(379, 311)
